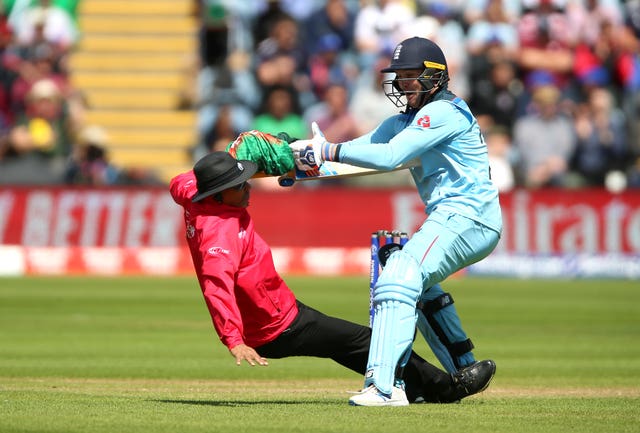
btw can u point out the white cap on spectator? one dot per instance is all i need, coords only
(94, 134)
(44, 88)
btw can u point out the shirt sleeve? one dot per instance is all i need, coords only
(220, 252)
(399, 140)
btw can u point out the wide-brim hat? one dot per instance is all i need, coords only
(218, 171)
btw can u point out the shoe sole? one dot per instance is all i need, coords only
(382, 403)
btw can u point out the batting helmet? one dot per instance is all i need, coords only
(416, 53)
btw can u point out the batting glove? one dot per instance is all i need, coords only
(310, 154)
(305, 157)
(324, 150)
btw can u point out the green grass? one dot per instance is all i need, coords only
(140, 355)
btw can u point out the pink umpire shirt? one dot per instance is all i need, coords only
(247, 299)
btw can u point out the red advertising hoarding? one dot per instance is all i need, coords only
(300, 221)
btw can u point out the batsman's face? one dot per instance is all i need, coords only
(238, 195)
(408, 82)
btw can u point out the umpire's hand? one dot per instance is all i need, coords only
(244, 352)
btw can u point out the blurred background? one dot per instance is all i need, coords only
(103, 101)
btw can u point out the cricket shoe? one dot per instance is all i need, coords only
(472, 379)
(372, 396)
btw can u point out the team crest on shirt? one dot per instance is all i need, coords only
(424, 121)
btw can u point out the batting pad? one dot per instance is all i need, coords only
(394, 323)
(439, 324)
(435, 344)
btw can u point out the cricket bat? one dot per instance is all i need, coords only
(333, 170)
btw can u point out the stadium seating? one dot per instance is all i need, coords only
(132, 63)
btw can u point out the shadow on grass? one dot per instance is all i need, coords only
(239, 403)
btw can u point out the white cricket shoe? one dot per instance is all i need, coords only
(371, 396)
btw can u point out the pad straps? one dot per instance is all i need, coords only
(429, 309)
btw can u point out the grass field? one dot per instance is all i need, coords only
(140, 355)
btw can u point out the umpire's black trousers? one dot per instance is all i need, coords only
(313, 333)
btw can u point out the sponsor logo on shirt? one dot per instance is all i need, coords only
(215, 251)
(242, 234)
(424, 121)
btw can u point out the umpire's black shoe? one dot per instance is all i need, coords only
(472, 379)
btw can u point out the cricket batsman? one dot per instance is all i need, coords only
(463, 223)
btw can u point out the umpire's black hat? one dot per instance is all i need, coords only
(218, 171)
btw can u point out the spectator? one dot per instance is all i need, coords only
(44, 126)
(282, 41)
(546, 41)
(553, 34)
(491, 38)
(281, 60)
(498, 94)
(38, 63)
(213, 33)
(545, 141)
(455, 7)
(368, 103)
(633, 174)
(440, 25)
(327, 66)
(379, 28)
(232, 85)
(89, 163)
(475, 10)
(333, 18)
(632, 16)
(589, 16)
(8, 72)
(626, 72)
(602, 144)
(299, 10)
(333, 116)
(603, 48)
(223, 131)
(266, 18)
(272, 11)
(38, 144)
(49, 22)
(500, 157)
(280, 113)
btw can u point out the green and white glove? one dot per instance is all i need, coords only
(272, 154)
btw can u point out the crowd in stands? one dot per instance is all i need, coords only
(44, 136)
(555, 84)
